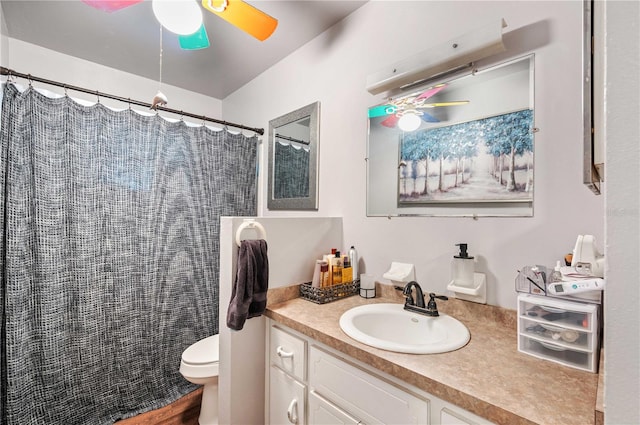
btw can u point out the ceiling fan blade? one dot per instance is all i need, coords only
(110, 5)
(382, 110)
(244, 16)
(431, 92)
(196, 41)
(428, 118)
(438, 104)
(391, 121)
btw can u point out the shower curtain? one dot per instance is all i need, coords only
(109, 254)
(291, 171)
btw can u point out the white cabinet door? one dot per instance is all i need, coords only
(373, 400)
(286, 399)
(323, 412)
(447, 418)
(448, 414)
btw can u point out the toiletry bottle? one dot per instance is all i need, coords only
(556, 276)
(324, 274)
(330, 260)
(462, 268)
(347, 271)
(353, 259)
(315, 282)
(336, 269)
(327, 259)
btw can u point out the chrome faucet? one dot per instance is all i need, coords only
(419, 302)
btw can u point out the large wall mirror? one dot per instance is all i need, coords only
(461, 147)
(293, 160)
(593, 94)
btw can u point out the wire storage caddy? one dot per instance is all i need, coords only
(329, 293)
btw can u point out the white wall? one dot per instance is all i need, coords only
(332, 69)
(291, 243)
(31, 59)
(4, 43)
(622, 168)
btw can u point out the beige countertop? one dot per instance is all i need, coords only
(488, 376)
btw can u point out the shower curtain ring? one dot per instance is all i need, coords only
(30, 81)
(98, 96)
(66, 93)
(129, 102)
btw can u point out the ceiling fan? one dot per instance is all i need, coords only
(407, 112)
(184, 17)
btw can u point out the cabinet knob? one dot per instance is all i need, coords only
(283, 354)
(292, 411)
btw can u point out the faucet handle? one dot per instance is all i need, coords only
(432, 308)
(440, 297)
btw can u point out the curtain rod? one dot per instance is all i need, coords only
(10, 72)
(291, 139)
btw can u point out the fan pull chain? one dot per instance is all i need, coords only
(160, 76)
(159, 99)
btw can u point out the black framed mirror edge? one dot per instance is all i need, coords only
(310, 202)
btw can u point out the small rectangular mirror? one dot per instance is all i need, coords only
(293, 160)
(460, 147)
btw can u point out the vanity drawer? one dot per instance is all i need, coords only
(288, 352)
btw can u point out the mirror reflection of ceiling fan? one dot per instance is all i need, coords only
(184, 17)
(408, 112)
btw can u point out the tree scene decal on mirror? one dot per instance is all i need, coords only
(484, 160)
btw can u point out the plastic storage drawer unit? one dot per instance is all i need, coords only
(560, 331)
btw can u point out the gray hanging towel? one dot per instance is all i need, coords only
(249, 294)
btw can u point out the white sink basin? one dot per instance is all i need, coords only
(390, 327)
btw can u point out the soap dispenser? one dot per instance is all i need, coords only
(462, 268)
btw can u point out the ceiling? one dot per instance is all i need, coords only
(129, 39)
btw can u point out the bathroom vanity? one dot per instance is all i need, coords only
(342, 390)
(317, 374)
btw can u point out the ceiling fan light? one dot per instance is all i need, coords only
(197, 40)
(409, 122)
(183, 17)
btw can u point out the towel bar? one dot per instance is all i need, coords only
(250, 224)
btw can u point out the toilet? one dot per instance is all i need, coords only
(199, 365)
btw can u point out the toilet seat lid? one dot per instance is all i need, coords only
(202, 352)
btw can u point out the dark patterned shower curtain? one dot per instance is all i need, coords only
(109, 254)
(291, 172)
